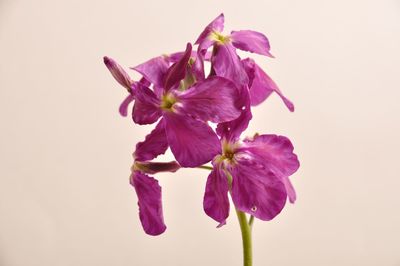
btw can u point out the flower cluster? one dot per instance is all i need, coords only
(175, 93)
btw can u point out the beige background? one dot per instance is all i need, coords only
(65, 151)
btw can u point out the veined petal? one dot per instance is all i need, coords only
(147, 106)
(154, 70)
(232, 130)
(216, 201)
(214, 99)
(275, 150)
(118, 73)
(148, 192)
(154, 144)
(257, 191)
(177, 71)
(261, 85)
(251, 41)
(192, 142)
(275, 153)
(216, 25)
(227, 64)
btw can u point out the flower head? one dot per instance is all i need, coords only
(185, 111)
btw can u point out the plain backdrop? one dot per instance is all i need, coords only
(65, 153)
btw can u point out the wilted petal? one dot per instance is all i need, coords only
(216, 201)
(157, 167)
(227, 64)
(192, 142)
(261, 85)
(257, 191)
(118, 72)
(177, 71)
(123, 108)
(154, 70)
(276, 154)
(216, 25)
(147, 106)
(251, 41)
(153, 145)
(149, 200)
(232, 130)
(214, 99)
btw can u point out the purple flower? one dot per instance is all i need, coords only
(147, 188)
(226, 62)
(185, 111)
(255, 171)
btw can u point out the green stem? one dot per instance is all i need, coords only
(205, 167)
(245, 227)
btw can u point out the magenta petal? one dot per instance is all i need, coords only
(232, 130)
(154, 144)
(227, 64)
(257, 191)
(149, 200)
(251, 41)
(276, 151)
(216, 25)
(261, 85)
(118, 72)
(213, 99)
(216, 201)
(154, 70)
(177, 71)
(147, 106)
(276, 154)
(192, 142)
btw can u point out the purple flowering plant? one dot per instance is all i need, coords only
(175, 94)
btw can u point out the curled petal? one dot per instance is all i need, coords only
(214, 99)
(192, 142)
(123, 108)
(154, 70)
(147, 106)
(216, 201)
(149, 200)
(177, 71)
(227, 64)
(261, 85)
(257, 191)
(154, 144)
(251, 41)
(276, 154)
(118, 72)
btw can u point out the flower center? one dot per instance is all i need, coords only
(219, 37)
(228, 151)
(167, 102)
